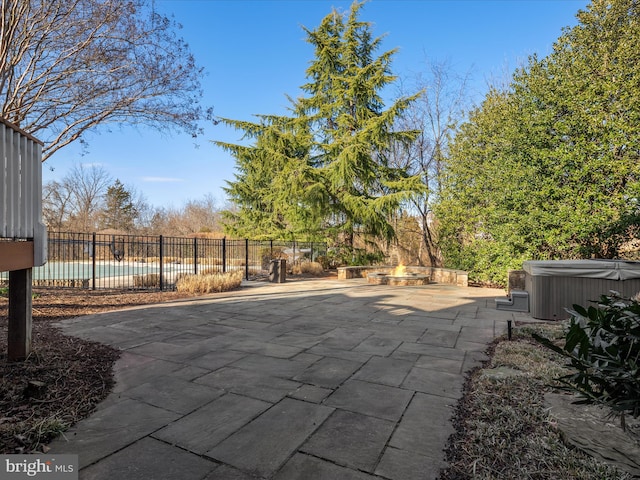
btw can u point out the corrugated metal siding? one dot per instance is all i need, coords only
(21, 188)
(550, 296)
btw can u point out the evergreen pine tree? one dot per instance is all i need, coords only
(119, 212)
(325, 168)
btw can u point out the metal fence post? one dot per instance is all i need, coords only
(293, 262)
(195, 255)
(93, 261)
(161, 280)
(224, 254)
(246, 258)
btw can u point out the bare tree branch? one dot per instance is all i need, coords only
(440, 107)
(69, 66)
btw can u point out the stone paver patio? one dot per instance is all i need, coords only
(310, 379)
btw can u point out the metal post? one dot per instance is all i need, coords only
(224, 254)
(161, 264)
(509, 329)
(20, 315)
(246, 258)
(93, 261)
(195, 255)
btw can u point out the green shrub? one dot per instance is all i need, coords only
(349, 256)
(603, 346)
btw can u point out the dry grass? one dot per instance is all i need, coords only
(237, 262)
(146, 281)
(209, 283)
(503, 427)
(308, 268)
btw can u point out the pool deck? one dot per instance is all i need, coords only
(309, 379)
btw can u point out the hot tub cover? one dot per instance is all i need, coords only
(602, 269)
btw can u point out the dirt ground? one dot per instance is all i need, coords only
(64, 378)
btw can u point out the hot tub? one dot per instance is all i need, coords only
(555, 285)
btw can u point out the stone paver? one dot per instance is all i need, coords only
(425, 426)
(115, 427)
(313, 380)
(436, 382)
(307, 467)
(250, 383)
(206, 427)
(379, 401)
(440, 364)
(350, 439)
(328, 372)
(384, 370)
(286, 425)
(149, 459)
(399, 464)
(437, 336)
(174, 394)
(311, 393)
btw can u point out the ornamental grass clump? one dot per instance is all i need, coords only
(602, 345)
(209, 283)
(308, 268)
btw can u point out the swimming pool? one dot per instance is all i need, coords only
(105, 274)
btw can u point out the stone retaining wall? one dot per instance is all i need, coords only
(437, 275)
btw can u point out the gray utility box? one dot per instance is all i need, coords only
(278, 271)
(555, 285)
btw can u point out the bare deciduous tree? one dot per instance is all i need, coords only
(88, 185)
(435, 114)
(196, 216)
(68, 66)
(56, 204)
(74, 203)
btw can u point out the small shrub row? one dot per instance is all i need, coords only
(209, 283)
(307, 268)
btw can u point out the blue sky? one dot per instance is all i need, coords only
(255, 54)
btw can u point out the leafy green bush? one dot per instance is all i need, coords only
(603, 346)
(487, 261)
(351, 256)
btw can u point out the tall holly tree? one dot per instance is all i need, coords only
(324, 170)
(550, 168)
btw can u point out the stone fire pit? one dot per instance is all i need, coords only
(435, 275)
(408, 279)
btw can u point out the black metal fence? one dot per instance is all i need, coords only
(155, 262)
